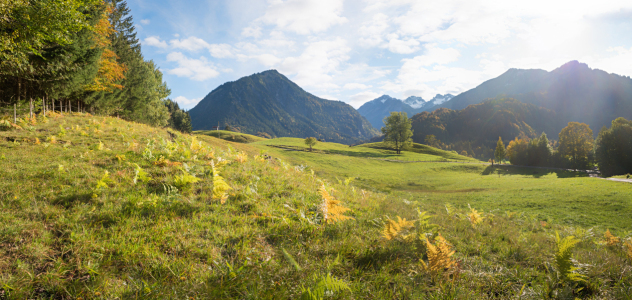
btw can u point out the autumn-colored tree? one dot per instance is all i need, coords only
(576, 142)
(500, 150)
(397, 131)
(110, 71)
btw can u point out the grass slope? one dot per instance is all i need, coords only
(231, 136)
(70, 232)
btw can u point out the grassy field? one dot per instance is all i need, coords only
(100, 208)
(565, 197)
(231, 136)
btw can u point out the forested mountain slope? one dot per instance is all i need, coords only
(270, 103)
(574, 91)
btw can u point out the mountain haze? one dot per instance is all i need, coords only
(270, 103)
(377, 109)
(574, 91)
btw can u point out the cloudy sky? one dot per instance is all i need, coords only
(357, 50)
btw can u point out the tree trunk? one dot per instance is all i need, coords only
(15, 113)
(31, 108)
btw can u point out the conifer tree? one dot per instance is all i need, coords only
(500, 151)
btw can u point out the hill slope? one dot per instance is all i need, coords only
(268, 102)
(574, 91)
(477, 127)
(101, 208)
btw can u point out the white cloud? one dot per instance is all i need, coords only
(396, 45)
(356, 86)
(613, 62)
(251, 31)
(196, 69)
(221, 50)
(268, 60)
(372, 31)
(187, 103)
(155, 41)
(360, 98)
(302, 16)
(191, 44)
(318, 64)
(145, 21)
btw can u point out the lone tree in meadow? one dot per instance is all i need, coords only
(397, 131)
(500, 152)
(576, 142)
(310, 141)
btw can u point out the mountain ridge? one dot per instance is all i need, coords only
(268, 102)
(377, 109)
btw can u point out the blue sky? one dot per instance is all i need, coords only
(357, 50)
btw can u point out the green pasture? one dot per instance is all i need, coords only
(231, 136)
(566, 197)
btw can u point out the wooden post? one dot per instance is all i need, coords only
(15, 114)
(31, 108)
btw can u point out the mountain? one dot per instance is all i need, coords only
(477, 127)
(574, 91)
(377, 109)
(270, 103)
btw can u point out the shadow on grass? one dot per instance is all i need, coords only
(69, 201)
(534, 171)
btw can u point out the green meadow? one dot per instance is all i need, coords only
(101, 208)
(566, 197)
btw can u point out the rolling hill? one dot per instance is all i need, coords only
(270, 103)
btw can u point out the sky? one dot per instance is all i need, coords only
(357, 50)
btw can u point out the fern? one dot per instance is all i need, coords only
(628, 246)
(291, 260)
(220, 187)
(396, 229)
(332, 210)
(140, 175)
(610, 239)
(102, 184)
(475, 217)
(241, 158)
(62, 131)
(449, 209)
(185, 181)
(563, 259)
(327, 285)
(439, 256)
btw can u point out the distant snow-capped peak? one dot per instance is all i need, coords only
(415, 102)
(439, 99)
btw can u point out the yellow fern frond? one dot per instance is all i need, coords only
(439, 256)
(628, 246)
(610, 239)
(394, 229)
(332, 211)
(563, 256)
(475, 217)
(241, 158)
(220, 187)
(37, 141)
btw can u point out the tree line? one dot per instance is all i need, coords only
(80, 56)
(611, 151)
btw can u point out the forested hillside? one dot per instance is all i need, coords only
(476, 128)
(77, 55)
(269, 103)
(574, 91)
